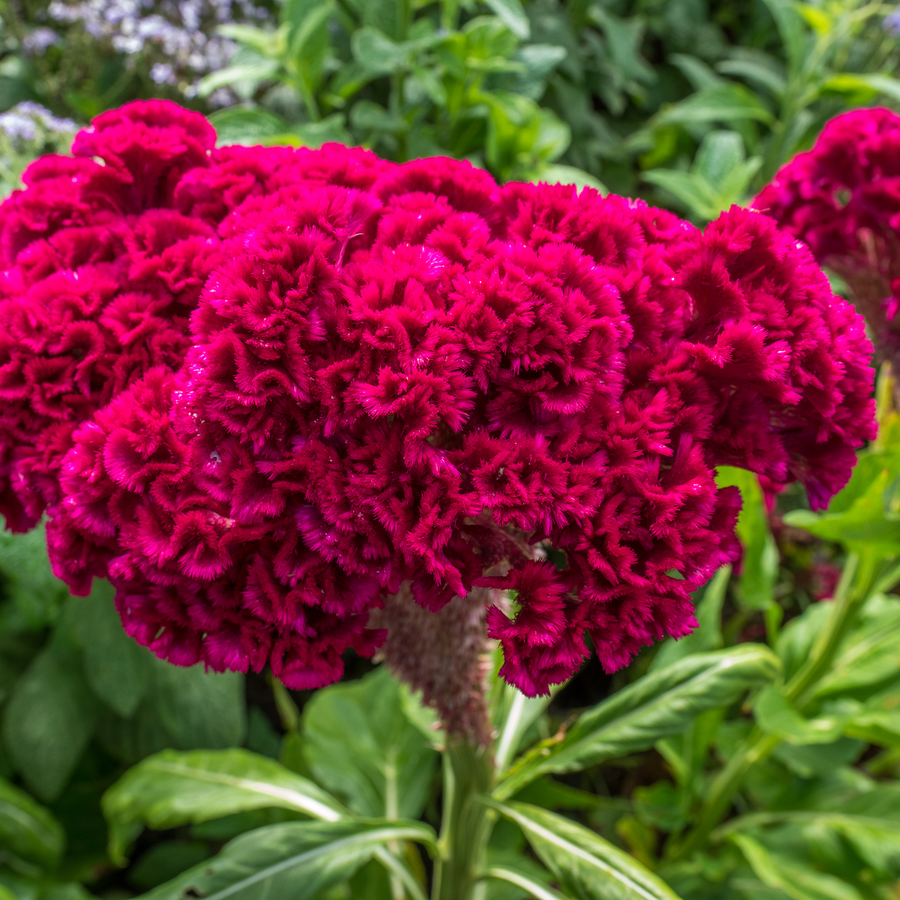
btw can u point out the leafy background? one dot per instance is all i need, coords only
(759, 758)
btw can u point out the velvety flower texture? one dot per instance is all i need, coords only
(408, 381)
(843, 199)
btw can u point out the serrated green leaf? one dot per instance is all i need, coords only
(116, 667)
(361, 745)
(660, 704)
(172, 789)
(584, 862)
(48, 722)
(294, 859)
(28, 831)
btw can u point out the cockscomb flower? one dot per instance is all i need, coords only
(103, 263)
(842, 198)
(404, 389)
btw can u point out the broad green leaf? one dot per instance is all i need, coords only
(116, 667)
(28, 831)
(775, 715)
(697, 72)
(660, 704)
(790, 876)
(246, 125)
(361, 745)
(856, 517)
(248, 76)
(870, 822)
(797, 637)
(759, 566)
(691, 189)
(376, 53)
(727, 102)
(200, 708)
(172, 789)
(584, 863)
(296, 860)
(514, 715)
(48, 721)
(29, 580)
(513, 16)
(851, 82)
(708, 634)
(756, 67)
(265, 43)
(536, 889)
(870, 655)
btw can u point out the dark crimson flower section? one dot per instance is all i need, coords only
(842, 198)
(400, 377)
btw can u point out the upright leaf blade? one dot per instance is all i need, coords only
(172, 789)
(298, 860)
(584, 862)
(361, 744)
(28, 831)
(661, 703)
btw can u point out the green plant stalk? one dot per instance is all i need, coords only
(758, 745)
(466, 824)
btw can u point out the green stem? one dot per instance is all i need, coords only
(759, 745)
(468, 773)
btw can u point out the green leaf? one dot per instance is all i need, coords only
(172, 789)
(265, 43)
(28, 831)
(513, 16)
(294, 859)
(200, 708)
(536, 889)
(376, 53)
(246, 125)
(660, 704)
(869, 821)
(514, 715)
(48, 722)
(693, 191)
(248, 76)
(759, 566)
(786, 874)
(727, 102)
(708, 634)
(869, 655)
(115, 666)
(584, 863)
(856, 516)
(791, 30)
(851, 82)
(362, 746)
(775, 715)
(30, 582)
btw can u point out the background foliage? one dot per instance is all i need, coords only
(759, 758)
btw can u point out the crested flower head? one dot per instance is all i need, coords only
(407, 381)
(842, 198)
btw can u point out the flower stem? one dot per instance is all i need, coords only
(466, 825)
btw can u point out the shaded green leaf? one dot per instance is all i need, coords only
(116, 667)
(172, 789)
(360, 744)
(726, 102)
(775, 715)
(293, 859)
(662, 703)
(536, 889)
(48, 721)
(513, 16)
(246, 125)
(584, 862)
(28, 831)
